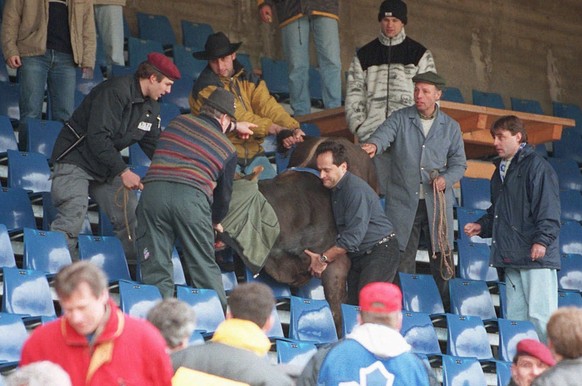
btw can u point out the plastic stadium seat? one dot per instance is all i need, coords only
(471, 298)
(567, 110)
(245, 61)
(465, 216)
(570, 274)
(86, 85)
(117, 71)
(195, 34)
(571, 205)
(181, 90)
(571, 238)
(475, 193)
(49, 212)
(502, 289)
(473, 261)
(569, 176)
(42, 135)
(452, 94)
(28, 171)
(467, 337)
(155, 27)
(526, 106)
(168, 111)
(349, 318)
(138, 50)
(9, 102)
(569, 299)
(312, 290)
(137, 157)
(462, 371)
(503, 371)
(418, 330)
(510, 333)
(311, 321)
(187, 64)
(276, 75)
(12, 337)
(16, 209)
(420, 294)
(569, 145)
(276, 331)
(45, 251)
(7, 137)
(295, 353)
(6, 251)
(229, 280)
(206, 305)
(137, 299)
(488, 99)
(27, 292)
(280, 290)
(542, 150)
(107, 253)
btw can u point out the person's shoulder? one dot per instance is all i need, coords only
(413, 43)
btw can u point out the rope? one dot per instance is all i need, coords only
(123, 206)
(447, 265)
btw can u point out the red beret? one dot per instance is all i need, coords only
(164, 65)
(380, 298)
(535, 349)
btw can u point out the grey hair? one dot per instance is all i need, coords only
(43, 373)
(174, 318)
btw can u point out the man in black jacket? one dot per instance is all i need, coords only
(87, 159)
(524, 223)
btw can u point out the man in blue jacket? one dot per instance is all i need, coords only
(524, 222)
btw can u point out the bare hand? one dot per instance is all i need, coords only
(266, 14)
(14, 61)
(472, 229)
(316, 267)
(370, 149)
(440, 183)
(131, 180)
(538, 251)
(218, 228)
(293, 139)
(87, 73)
(243, 129)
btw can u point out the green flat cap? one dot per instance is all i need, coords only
(431, 78)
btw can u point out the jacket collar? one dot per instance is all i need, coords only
(242, 334)
(385, 40)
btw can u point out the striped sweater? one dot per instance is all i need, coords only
(194, 151)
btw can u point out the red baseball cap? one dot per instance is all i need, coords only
(380, 297)
(164, 65)
(535, 349)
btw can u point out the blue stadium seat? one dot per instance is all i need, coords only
(245, 61)
(542, 150)
(137, 157)
(420, 294)
(571, 205)
(28, 171)
(475, 193)
(349, 318)
(9, 102)
(107, 253)
(187, 64)
(195, 34)
(569, 299)
(465, 216)
(45, 251)
(16, 210)
(570, 274)
(280, 290)
(311, 321)
(276, 75)
(42, 135)
(467, 337)
(276, 331)
(471, 298)
(568, 110)
(526, 106)
(229, 280)
(6, 251)
(418, 330)
(568, 146)
(295, 353)
(117, 71)
(137, 299)
(569, 176)
(206, 305)
(282, 160)
(138, 50)
(27, 292)
(12, 337)
(7, 137)
(313, 289)
(571, 238)
(168, 111)
(503, 372)
(473, 261)
(452, 94)
(181, 90)
(155, 27)
(459, 371)
(84, 86)
(510, 333)
(488, 99)
(502, 299)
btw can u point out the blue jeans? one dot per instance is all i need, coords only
(268, 172)
(56, 71)
(109, 23)
(296, 49)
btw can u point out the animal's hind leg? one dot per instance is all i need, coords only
(334, 280)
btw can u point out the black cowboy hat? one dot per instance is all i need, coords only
(217, 46)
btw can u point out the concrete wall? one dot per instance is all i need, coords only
(523, 48)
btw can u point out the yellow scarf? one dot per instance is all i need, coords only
(242, 334)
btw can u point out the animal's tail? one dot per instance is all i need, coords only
(311, 154)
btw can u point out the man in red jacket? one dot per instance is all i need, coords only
(94, 342)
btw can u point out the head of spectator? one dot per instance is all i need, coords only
(253, 302)
(220, 106)
(531, 359)
(381, 303)
(83, 293)
(157, 75)
(220, 53)
(42, 373)
(392, 17)
(428, 88)
(565, 333)
(176, 321)
(508, 134)
(332, 162)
